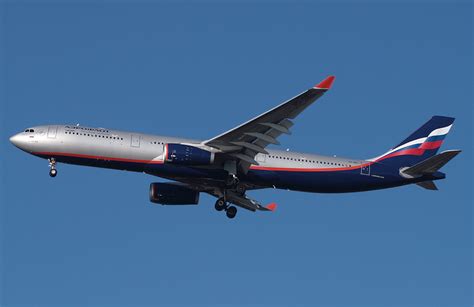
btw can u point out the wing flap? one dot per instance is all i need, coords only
(251, 146)
(277, 127)
(264, 137)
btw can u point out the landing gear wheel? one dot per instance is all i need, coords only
(53, 172)
(52, 167)
(231, 212)
(221, 204)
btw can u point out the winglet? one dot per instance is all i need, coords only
(271, 207)
(326, 83)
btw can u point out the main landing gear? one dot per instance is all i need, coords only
(231, 181)
(221, 205)
(52, 168)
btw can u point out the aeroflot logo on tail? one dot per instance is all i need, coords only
(85, 128)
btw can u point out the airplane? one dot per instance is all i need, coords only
(239, 160)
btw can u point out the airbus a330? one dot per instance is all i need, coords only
(229, 165)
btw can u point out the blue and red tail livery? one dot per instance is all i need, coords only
(239, 160)
(421, 144)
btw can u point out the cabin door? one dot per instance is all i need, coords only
(365, 170)
(135, 142)
(52, 131)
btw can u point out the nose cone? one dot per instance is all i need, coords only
(16, 140)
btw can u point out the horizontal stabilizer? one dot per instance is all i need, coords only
(432, 164)
(429, 185)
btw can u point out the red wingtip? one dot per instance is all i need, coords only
(271, 207)
(326, 83)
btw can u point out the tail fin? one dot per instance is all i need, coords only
(420, 145)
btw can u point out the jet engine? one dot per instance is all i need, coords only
(172, 194)
(187, 155)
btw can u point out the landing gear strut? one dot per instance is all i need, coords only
(52, 168)
(230, 211)
(232, 180)
(231, 167)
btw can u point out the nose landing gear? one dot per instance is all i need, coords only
(53, 172)
(52, 168)
(230, 211)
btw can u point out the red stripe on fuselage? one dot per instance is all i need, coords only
(254, 167)
(67, 154)
(299, 169)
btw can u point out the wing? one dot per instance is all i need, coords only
(244, 142)
(232, 196)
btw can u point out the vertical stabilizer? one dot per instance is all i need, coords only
(420, 145)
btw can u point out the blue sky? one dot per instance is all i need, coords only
(91, 237)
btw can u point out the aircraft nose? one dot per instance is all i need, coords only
(16, 140)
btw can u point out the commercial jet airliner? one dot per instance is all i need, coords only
(237, 161)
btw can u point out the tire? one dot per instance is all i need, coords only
(53, 172)
(220, 204)
(231, 212)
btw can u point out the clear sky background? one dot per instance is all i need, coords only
(91, 237)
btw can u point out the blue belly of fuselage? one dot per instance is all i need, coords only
(331, 181)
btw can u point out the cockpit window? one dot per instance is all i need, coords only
(30, 130)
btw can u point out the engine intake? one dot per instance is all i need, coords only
(172, 194)
(187, 155)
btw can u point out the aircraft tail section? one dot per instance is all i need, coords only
(420, 145)
(429, 185)
(432, 164)
(429, 169)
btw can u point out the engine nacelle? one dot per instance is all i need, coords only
(187, 155)
(172, 194)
